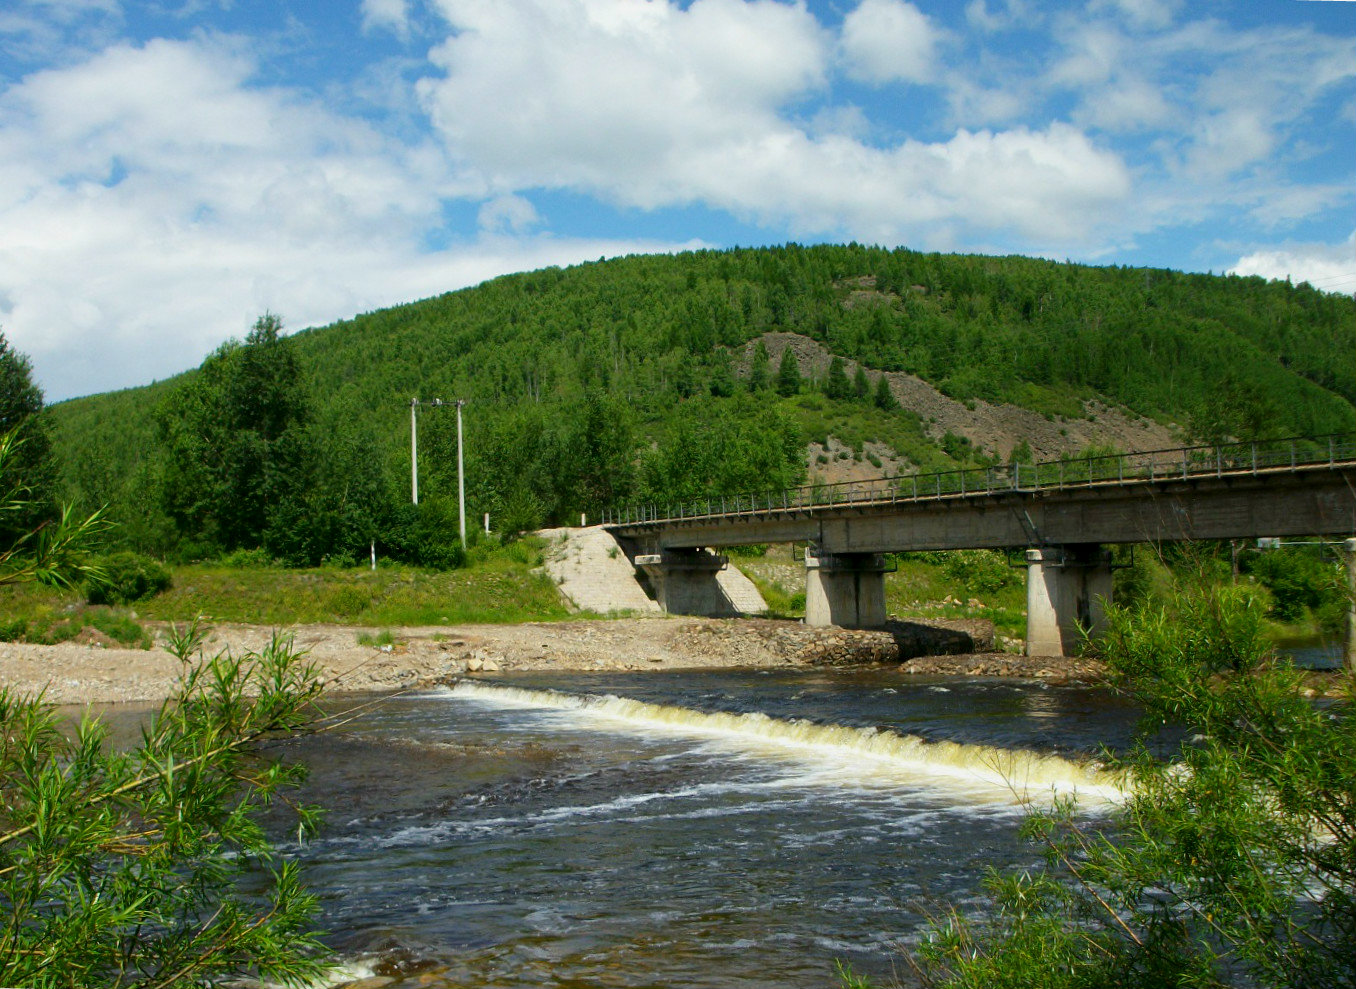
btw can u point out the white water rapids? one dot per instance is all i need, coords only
(870, 755)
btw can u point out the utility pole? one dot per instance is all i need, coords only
(414, 451)
(461, 478)
(414, 444)
(414, 458)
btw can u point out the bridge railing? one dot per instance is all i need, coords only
(1181, 463)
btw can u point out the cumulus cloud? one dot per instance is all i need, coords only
(655, 105)
(889, 40)
(1329, 267)
(610, 96)
(387, 15)
(508, 214)
(152, 203)
(1007, 14)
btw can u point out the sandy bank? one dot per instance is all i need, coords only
(75, 674)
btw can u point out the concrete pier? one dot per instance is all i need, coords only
(686, 582)
(844, 589)
(1066, 590)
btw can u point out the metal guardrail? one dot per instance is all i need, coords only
(1229, 459)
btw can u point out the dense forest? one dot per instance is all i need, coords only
(643, 378)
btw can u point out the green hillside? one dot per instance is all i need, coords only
(631, 378)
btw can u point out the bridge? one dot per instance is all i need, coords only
(1063, 514)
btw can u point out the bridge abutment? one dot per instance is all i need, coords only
(844, 589)
(687, 582)
(1067, 588)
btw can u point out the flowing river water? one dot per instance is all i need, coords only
(734, 829)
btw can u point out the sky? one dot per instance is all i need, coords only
(169, 170)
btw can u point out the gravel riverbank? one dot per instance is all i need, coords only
(78, 674)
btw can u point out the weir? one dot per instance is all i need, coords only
(987, 772)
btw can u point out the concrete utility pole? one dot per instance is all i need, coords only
(461, 478)
(414, 444)
(414, 458)
(414, 451)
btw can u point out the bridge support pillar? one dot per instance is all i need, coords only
(845, 589)
(1349, 645)
(685, 582)
(1066, 590)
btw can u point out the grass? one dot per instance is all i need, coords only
(383, 638)
(499, 587)
(51, 620)
(925, 587)
(495, 592)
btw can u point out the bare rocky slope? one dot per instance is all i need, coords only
(995, 428)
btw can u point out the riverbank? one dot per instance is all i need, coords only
(359, 659)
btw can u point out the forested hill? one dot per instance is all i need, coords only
(642, 377)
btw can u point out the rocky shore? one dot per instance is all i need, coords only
(407, 657)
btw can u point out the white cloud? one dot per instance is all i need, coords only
(1222, 99)
(387, 15)
(1010, 13)
(155, 197)
(1141, 13)
(607, 96)
(889, 40)
(151, 201)
(654, 105)
(507, 214)
(1330, 267)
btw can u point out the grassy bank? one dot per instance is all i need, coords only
(500, 586)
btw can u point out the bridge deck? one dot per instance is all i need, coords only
(1288, 487)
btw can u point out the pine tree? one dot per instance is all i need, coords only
(836, 384)
(861, 384)
(788, 374)
(885, 399)
(759, 373)
(722, 374)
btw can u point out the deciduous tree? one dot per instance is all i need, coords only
(239, 460)
(30, 455)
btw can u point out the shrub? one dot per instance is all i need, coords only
(121, 629)
(151, 866)
(128, 577)
(348, 602)
(979, 570)
(1298, 581)
(751, 551)
(1232, 863)
(248, 559)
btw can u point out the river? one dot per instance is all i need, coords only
(736, 829)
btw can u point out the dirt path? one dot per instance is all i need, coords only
(77, 674)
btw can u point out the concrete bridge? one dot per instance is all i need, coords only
(1063, 514)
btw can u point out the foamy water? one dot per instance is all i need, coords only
(869, 756)
(730, 831)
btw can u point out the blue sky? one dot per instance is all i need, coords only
(169, 170)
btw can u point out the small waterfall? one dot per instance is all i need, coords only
(869, 755)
